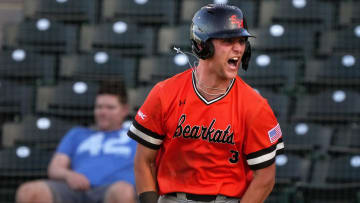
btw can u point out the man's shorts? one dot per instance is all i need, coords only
(62, 193)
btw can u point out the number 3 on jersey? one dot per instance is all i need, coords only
(235, 156)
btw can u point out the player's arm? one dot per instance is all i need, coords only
(263, 144)
(261, 185)
(147, 130)
(145, 178)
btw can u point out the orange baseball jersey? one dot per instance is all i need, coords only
(207, 147)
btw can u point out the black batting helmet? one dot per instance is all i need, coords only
(218, 21)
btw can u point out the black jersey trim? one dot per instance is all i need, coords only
(147, 131)
(266, 156)
(143, 142)
(264, 151)
(266, 163)
(262, 165)
(144, 136)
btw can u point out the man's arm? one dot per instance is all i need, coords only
(261, 185)
(59, 169)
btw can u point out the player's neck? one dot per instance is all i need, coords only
(210, 80)
(208, 84)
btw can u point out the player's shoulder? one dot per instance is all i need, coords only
(249, 93)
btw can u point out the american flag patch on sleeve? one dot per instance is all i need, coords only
(275, 133)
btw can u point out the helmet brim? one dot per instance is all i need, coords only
(231, 34)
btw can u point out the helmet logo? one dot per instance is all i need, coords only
(238, 22)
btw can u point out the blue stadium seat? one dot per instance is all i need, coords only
(23, 66)
(121, 37)
(42, 35)
(99, 66)
(69, 11)
(141, 11)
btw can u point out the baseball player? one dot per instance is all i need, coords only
(204, 134)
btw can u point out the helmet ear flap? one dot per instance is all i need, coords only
(210, 49)
(204, 50)
(246, 56)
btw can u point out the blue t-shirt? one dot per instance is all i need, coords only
(103, 157)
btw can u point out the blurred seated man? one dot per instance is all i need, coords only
(91, 164)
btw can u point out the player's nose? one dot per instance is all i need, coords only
(238, 46)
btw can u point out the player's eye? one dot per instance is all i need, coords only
(242, 40)
(228, 40)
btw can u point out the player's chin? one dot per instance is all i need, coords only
(231, 71)
(231, 74)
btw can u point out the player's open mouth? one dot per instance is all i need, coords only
(234, 61)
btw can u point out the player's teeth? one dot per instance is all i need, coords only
(235, 58)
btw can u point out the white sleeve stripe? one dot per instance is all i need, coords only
(145, 136)
(265, 157)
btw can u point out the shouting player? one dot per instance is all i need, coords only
(204, 134)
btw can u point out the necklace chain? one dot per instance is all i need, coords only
(211, 94)
(198, 85)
